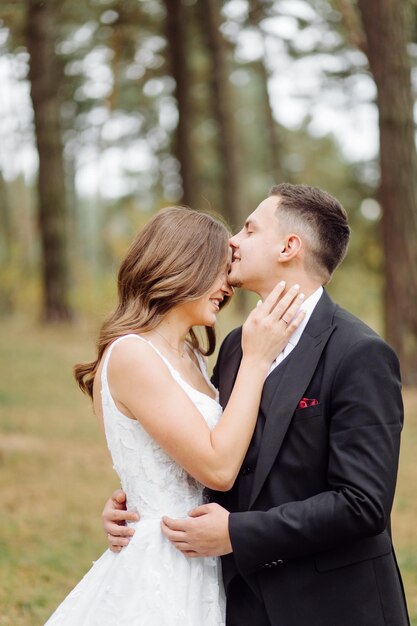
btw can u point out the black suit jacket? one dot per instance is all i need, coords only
(314, 537)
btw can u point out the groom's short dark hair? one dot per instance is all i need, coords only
(322, 220)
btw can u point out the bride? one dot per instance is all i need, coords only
(164, 426)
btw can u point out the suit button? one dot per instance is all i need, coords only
(246, 470)
(277, 562)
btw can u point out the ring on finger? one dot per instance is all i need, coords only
(285, 321)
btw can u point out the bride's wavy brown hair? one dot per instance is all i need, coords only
(175, 258)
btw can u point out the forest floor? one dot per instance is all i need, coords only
(55, 474)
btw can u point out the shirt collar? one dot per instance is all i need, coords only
(308, 306)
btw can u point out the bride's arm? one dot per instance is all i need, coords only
(171, 419)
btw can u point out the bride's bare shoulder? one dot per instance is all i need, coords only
(134, 357)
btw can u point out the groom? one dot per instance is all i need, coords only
(304, 533)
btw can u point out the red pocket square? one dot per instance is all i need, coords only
(306, 402)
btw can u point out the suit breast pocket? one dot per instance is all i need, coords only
(308, 412)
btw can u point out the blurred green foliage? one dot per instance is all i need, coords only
(117, 102)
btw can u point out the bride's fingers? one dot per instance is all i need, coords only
(287, 301)
(288, 313)
(294, 323)
(271, 300)
(279, 307)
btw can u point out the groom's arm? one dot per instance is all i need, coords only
(366, 417)
(365, 425)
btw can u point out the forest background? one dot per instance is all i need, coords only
(110, 110)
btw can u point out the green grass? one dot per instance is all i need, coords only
(56, 473)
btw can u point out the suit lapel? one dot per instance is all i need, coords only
(228, 371)
(285, 396)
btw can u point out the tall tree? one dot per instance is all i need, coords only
(6, 238)
(175, 30)
(223, 111)
(5, 221)
(44, 78)
(384, 22)
(257, 13)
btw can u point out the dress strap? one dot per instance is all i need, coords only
(104, 382)
(174, 372)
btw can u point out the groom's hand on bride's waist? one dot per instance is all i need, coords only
(204, 533)
(114, 518)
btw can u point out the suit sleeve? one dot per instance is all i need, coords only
(366, 416)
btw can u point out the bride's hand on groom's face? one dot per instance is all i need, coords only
(114, 518)
(271, 323)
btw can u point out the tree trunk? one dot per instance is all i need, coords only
(5, 222)
(44, 79)
(6, 239)
(177, 55)
(384, 23)
(272, 139)
(223, 112)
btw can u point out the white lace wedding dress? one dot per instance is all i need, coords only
(148, 583)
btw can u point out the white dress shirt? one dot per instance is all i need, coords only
(308, 306)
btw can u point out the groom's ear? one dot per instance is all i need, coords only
(290, 248)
